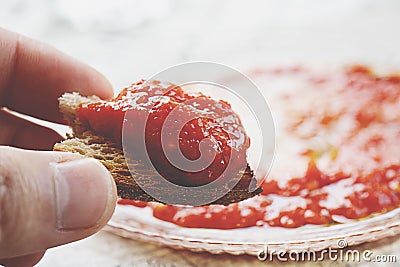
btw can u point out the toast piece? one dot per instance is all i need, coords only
(86, 142)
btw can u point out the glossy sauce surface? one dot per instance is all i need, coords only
(156, 107)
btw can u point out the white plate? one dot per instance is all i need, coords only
(139, 223)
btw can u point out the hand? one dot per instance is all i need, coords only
(46, 198)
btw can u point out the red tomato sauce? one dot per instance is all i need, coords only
(344, 162)
(150, 104)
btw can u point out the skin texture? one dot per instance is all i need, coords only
(33, 213)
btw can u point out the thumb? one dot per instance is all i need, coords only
(50, 198)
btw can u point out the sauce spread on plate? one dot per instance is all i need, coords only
(337, 155)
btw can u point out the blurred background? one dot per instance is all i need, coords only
(128, 40)
(132, 39)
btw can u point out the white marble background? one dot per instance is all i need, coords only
(132, 39)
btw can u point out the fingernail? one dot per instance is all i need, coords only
(83, 190)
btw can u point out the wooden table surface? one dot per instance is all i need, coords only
(105, 249)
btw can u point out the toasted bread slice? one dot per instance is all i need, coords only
(86, 142)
